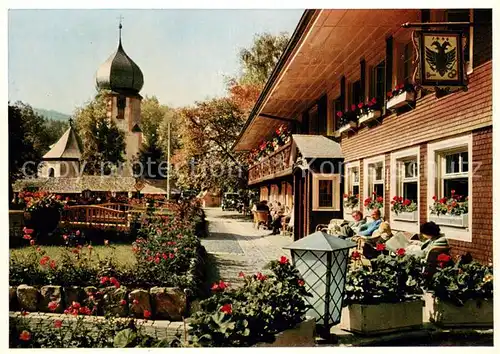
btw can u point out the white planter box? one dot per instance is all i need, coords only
(365, 118)
(451, 220)
(400, 100)
(406, 216)
(382, 318)
(474, 313)
(301, 336)
(347, 127)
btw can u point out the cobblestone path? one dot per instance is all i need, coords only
(238, 247)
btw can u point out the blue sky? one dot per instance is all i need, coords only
(183, 54)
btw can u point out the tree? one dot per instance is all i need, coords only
(258, 61)
(103, 142)
(54, 130)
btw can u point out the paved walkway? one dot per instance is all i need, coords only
(238, 247)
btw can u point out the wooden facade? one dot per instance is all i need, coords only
(343, 57)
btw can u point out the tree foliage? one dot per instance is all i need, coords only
(103, 142)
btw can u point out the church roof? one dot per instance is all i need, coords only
(119, 73)
(66, 148)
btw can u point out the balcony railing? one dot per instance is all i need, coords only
(275, 165)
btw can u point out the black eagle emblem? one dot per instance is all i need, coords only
(440, 60)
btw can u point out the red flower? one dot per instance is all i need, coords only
(38, 249)
(380, 199)
(57, 323)
(77, 233)
(435, 198)
(147, 314)
(32, 242)
(443, 257)
(407, 202)
(85, 310)
(339, 114)
(283, 260)
(27, 237)
(171, 255)
(123, 302)
(373, 100)
(400, 252)
(53, 305)
(452, 192)
(301, 282)
(157, 260)
(389, 94)
(356, 255)
(215, 287)
(241, 275)
(27, 231)
(374, 193)
(25, 336)
(52, 264)
(65, 237)
(227, 308)
(222, 285)
(261, 276)
(104, 280)
(360, 105)
(353, 107)
(135, 302)
(44, 260)
(115, 282)
(24, 313)
(380, 247)
(75, 305)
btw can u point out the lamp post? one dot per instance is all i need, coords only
(322, 261)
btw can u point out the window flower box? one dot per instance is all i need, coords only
(367, 117)
(382, 318)
(450, 220)
(401, 100)
(406, 216)
(346, 127)
(474, 313)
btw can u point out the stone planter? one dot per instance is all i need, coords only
(303, 335)
(401, 100)
(450, 220)
(406, 216)
(382, 318)
(368, 117)
(345, 128)
(474, 313)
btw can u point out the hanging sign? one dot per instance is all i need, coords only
(441, 63)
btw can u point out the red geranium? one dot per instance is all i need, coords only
(241, 275)
(135, 302)
(356, 255)
(261, 276)
(53, 305)
(52, 264)
(401, 252)
(283, 260)
(227, 308)
(32, 242)
(27, 237)
(443, 257)
(57, 323)
(300, 282)
(380, 247)
(28, 231)
(147, 314)
(25, 336)
(44, 260)
(123, 302)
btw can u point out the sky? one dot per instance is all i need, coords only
(183, 54)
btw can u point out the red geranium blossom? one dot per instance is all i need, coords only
(27, 237)
(57, 323)
(32, 242)
(123, 302)
(52, 264)
(25, 336)
(401, 252)
(301, 282)
(227, 308)
(261, 276)
(135, 302)
(104, 280)
(53, 305)
(443, 257)
(44, 260)
(380, 247)
(147, 314)
(283, 260)
(27, 231)
(241, 275)
(356, 255)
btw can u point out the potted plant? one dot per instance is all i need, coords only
(42, 211)
(351, 201)
(404, 209)
(384, 296)
(374, 202)
(451, 211)
(460, 294)
(400, 96)
(369, 111)
(347, 120)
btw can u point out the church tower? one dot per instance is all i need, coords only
(124, 79)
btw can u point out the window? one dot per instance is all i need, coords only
(51, 172)
(313, 120)
(356, 95)
(374, 177)
(352, 181)
(407, 178)
(121, 102)
(378, 82)
(377, 178)
(450, 170)
(408, 63)
(326, 192)
(337, 107)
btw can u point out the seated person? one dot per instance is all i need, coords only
(369, 228)
(262, 206)
(276, 215)
(434, 237)
(351, 228)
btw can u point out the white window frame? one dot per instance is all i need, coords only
(348, 167)
(367, 190)
(434, 150)
(336, 196)
(396, 157)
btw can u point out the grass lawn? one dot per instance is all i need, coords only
(121, 254)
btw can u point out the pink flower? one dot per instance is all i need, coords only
(53, 305)
(123, 302)
(135, 302)
(77, 233)
(57, 323)
(241, 275)
(32, 242)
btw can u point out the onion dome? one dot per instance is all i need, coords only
(119, 73)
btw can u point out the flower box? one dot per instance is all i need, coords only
(406, 216)
(474, 313)
(450, 220)
(382, 318)
(303, 335)
(401, 100)
(365, 118)
(347, 127)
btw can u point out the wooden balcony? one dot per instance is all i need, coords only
(273, 166)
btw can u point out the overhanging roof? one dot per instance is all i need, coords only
(324, 44)
(317, 146)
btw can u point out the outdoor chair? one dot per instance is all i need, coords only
(261, 218)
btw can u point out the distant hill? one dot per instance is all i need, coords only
(51, 114)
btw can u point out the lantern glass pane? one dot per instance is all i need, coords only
(339, 269)
(312, 267)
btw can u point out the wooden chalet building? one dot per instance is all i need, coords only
(417, 144)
